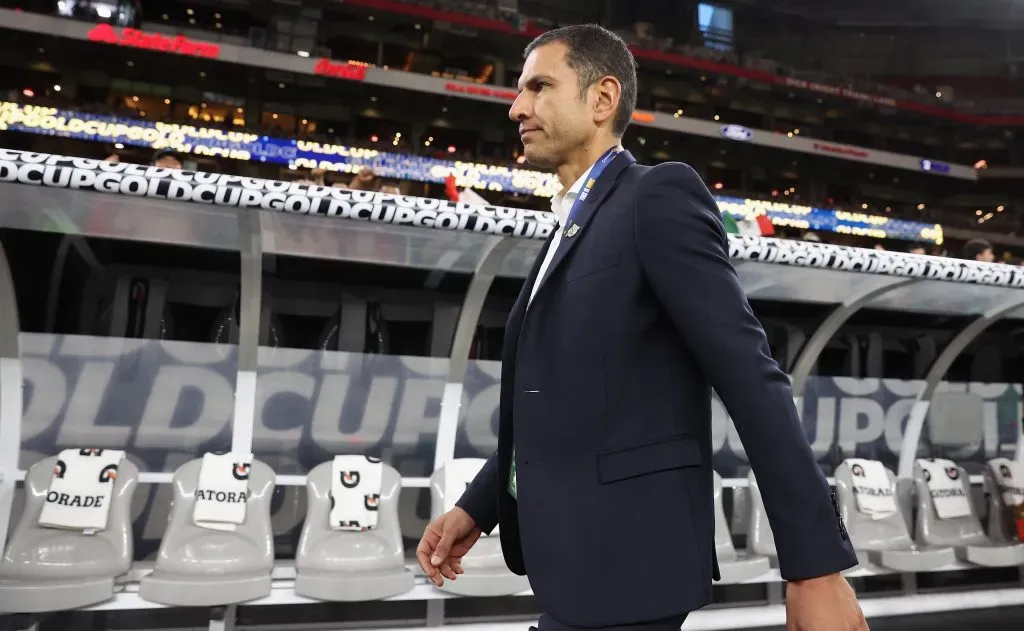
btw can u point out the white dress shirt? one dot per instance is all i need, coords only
(561, 205)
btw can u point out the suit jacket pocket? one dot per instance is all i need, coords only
(584, 267)
(664, 455)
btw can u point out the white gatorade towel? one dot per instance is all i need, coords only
(1010, 478)
(222, 491)
(355, 492)
(81, 489)
(946, 488)
(872, 488)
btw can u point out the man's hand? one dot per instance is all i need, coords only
(445, 541)
(826, 603)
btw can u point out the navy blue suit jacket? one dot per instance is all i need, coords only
(606, 393)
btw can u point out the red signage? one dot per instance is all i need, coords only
(480, 90)
(350, 71)
(841, 150)
(134, 38)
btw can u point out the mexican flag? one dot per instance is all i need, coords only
(758, 226)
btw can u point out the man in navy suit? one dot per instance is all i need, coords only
(602, 481)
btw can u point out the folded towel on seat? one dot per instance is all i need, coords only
(222, 491)
(874, 492)
(81, 489)
(946, 488)
(355, 492)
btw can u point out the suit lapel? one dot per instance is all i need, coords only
(577, 229)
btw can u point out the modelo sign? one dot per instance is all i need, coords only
(134, 38)
(736, 132)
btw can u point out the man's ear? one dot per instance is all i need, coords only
(607, 92)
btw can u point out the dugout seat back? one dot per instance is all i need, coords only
(963, 533)
(734, 566)
(759, 531)
(485, 571)
(199, 567)
(884, 541)
(50, 569)
(1004, 492)
(347, 565)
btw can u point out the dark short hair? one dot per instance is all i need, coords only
(594, 52)
(974, 247)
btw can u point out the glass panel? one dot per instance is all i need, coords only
(123, 347)
(119, 217)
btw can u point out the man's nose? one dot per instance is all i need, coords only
(519, 110)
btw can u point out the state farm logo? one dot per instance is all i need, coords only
(134, 38)
(327, 68)
(841, 150)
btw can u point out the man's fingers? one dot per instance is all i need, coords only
(443, 547)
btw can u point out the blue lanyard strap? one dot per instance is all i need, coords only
(595, 173)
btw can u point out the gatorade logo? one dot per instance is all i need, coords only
(857, 470)
(109, 473)
(240, 471)
(927, 475)
(371, 502)
(953, 473)
(60, 469)
(350, 479)
(373, 460)
(1005, 472)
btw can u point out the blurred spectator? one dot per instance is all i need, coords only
(167, 158)
(918, 249)
(979, 250)
(366, 180)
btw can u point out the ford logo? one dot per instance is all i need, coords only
(736, 132)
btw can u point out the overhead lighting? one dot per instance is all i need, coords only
(274, 116)
(202, 75)
(56, 88)
(374, 138)
(938, 95)
(280, 85)
(302, 53)
(167, 101)
(371, 18)
(190, 12)
(118, 145)
(216, 16)
(678, 113)
(790, 134)
(451, 148)
(716, 117)
(978, 213)
(304, 121)
(417, 27)
(373, 99)
(718, 186)
(28, 92)
(202, 105)
(191, 20)
(131, 64)
(920, 206)
(1000, 208)
(165, 16)
(863, 206)
(135, 99)
(796, 131)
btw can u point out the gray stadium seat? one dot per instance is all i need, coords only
(1002, 516)
(485, 571)
(735, 567)
(885, 541)
(345, 565)
(964, 534)
(759, 532)
(51, 569)
(199, 567)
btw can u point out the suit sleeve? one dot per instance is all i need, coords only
(480, 500)
(681, 242)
